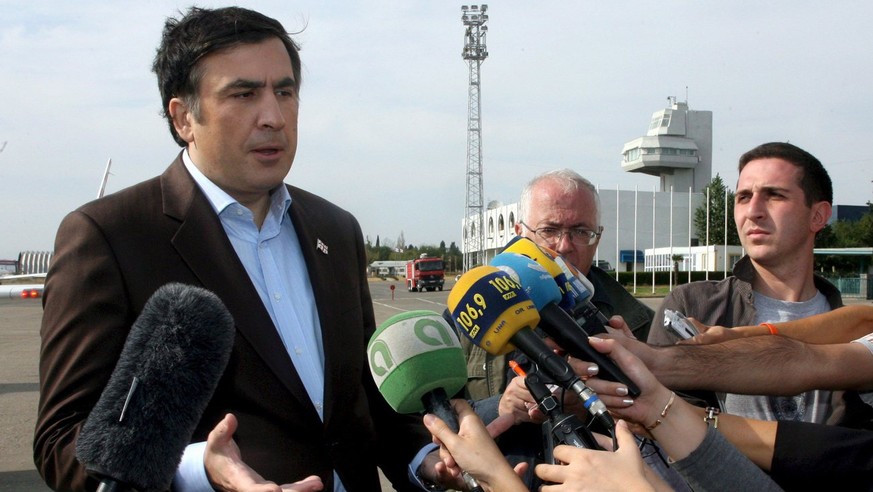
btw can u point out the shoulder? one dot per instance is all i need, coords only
(829, 290)
(703, 290)
(314, 205)
(124, 205)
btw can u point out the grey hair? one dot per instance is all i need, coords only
(570, 181)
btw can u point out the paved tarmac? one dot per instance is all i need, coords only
(19, 351)
(19, 376)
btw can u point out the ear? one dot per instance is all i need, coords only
(183, 119)
(821, 214)
(517, 228)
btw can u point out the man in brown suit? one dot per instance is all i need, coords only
(296, 402)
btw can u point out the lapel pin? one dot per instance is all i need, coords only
(321, 246)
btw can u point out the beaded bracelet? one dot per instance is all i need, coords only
(663, 412)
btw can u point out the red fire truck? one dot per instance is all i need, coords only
(425, 273)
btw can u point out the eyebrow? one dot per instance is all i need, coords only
(285, 83)
(765, 189)
(554, 225)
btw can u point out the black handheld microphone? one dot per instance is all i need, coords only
(555, 321)
(168, 370)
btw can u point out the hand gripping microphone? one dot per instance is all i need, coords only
(560, 428)
(490, 308)
(416, 361)
(168, 370)
(538, 284)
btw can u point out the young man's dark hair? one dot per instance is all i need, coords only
(815, 181)
(200, 33)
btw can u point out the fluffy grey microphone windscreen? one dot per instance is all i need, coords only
(168, 370)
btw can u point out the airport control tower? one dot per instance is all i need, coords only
(677, 148)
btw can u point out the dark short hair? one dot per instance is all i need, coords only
(814, 180)
(201, 32)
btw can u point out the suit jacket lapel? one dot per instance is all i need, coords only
(203, 245)
(322, 278)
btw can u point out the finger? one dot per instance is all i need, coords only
(550, 473)
(606, 387)
(521, 469)
(223, 431)
(618, 326)
(309, 484)
(615, 402)
(624, 436)
(461, 407)
(570, 454)
(583, 369)
(604, 441)
(500, 425)
(438, 429)
(535, 415)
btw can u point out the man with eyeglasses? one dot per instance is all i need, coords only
(560, 210)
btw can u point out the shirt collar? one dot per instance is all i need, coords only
(220, 200)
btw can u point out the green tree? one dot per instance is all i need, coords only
(855, 234)
(844, 234)
(676, 259)
(717, 211)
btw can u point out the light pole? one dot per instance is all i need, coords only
(474, 18)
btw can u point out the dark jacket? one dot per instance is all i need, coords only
(113, 253)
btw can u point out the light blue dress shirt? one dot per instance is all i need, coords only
(274, 262)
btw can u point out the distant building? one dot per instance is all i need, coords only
(633, 221)
(677, 148)
(8, 267)
(697, 258)
(30, 262)
(849, 213)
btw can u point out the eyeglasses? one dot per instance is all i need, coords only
(577, 235)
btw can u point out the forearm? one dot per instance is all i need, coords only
(838, 326)
(759, 366)
(754, 438)
(717, 465)
(681, 429)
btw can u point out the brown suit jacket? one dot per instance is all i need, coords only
(110, 257)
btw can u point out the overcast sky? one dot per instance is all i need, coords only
(384, 98)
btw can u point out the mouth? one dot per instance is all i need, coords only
(268, 150)
(756, 233)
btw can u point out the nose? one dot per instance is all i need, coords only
(270, 113)
(564, 244)
(757, 206)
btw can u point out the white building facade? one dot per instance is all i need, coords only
(633, 221)
(677, 148)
